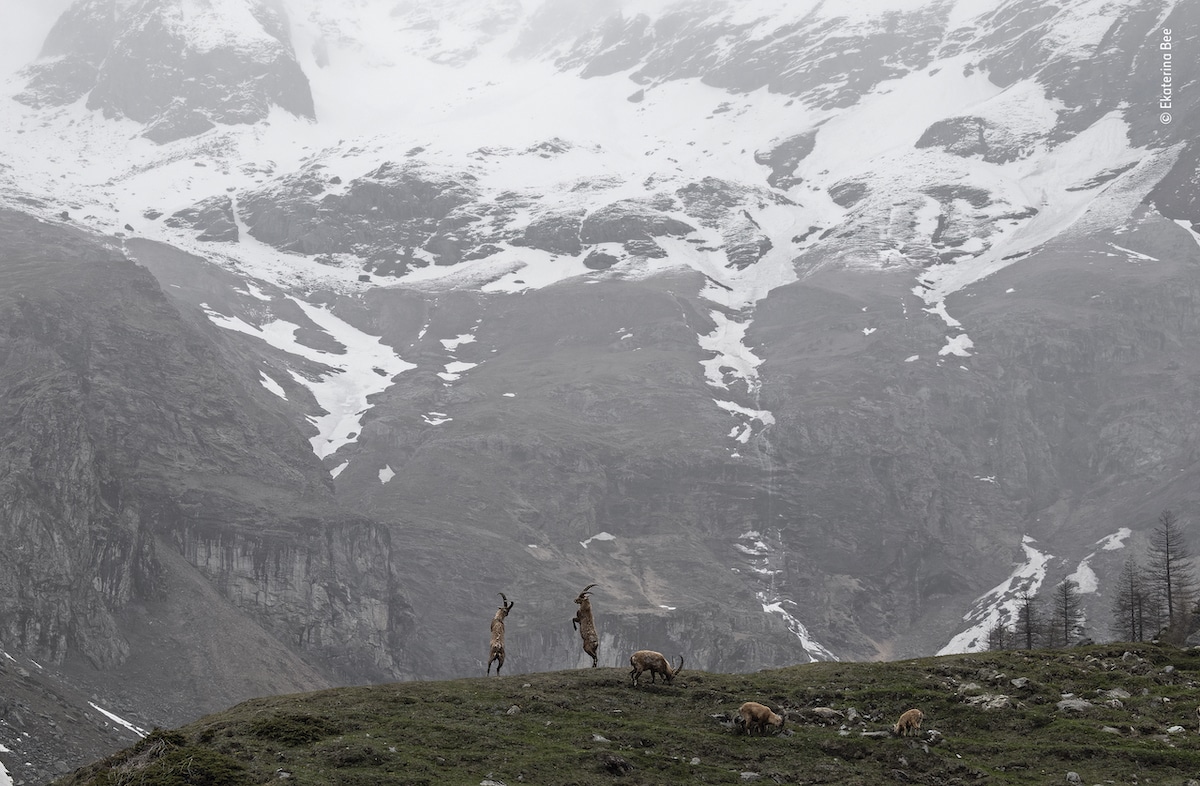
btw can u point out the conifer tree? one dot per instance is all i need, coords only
(1000, 636)
(1066, 615)
(1171, 575)
(1131, 606)
(1028, 625)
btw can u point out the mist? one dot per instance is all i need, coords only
(26, 23)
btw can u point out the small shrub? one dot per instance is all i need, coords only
(292, 730)
(191, 766)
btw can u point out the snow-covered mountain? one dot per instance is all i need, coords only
(806, 331)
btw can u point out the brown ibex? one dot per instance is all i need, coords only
(583, 622)
(909, 724)
(496, 652)
(753, 715)
(655, 663)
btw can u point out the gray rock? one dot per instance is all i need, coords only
(212, 218)
(630, 221)
(990, 701)
(383, 215)
(785, 156)
(557, 233)
(974, 136)
(1074, 704)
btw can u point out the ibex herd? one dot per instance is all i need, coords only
(751, 715)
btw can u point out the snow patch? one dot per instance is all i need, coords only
(957, 345)
(755, 549)
(386, 474)
(451, 344)
(743, 431)
(454, 370)
(363, 370)
(118, 720)
(732, 355)
(254, 292)
(597, 536)
(273, 386)
(1134, 254)
(813, 647)
(1114, 541)
(1084, 577)
(1000, 603)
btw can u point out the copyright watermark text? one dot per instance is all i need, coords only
(1166, 88)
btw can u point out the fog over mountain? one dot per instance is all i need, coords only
(803, 331)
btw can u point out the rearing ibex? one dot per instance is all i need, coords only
(497, 650)
(583, 622)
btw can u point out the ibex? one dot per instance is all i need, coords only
(753, 715)
(655, 663)
(909, 724)
(583, 622)
(497, 650)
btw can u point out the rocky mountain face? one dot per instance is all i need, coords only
(803, 333)
(175, 66)
(167, 527)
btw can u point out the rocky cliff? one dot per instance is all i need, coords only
(178, 68)
(138, 463)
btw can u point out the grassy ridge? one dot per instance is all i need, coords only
(591, 727)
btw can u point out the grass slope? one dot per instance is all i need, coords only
(591, 727)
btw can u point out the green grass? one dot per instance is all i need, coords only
(583, 727)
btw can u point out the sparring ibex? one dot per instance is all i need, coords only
(655, 663)
(497, 650)
(909, 724)
(753, 715)
(583, 622)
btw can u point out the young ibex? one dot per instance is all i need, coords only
(497, 650)
(753, 715)
(583, 622)
(909, 724)
(655, 663)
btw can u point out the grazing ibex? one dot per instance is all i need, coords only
(583, 622)
(497, 650)
(909, 724)
(655, 663)
(753, 715)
